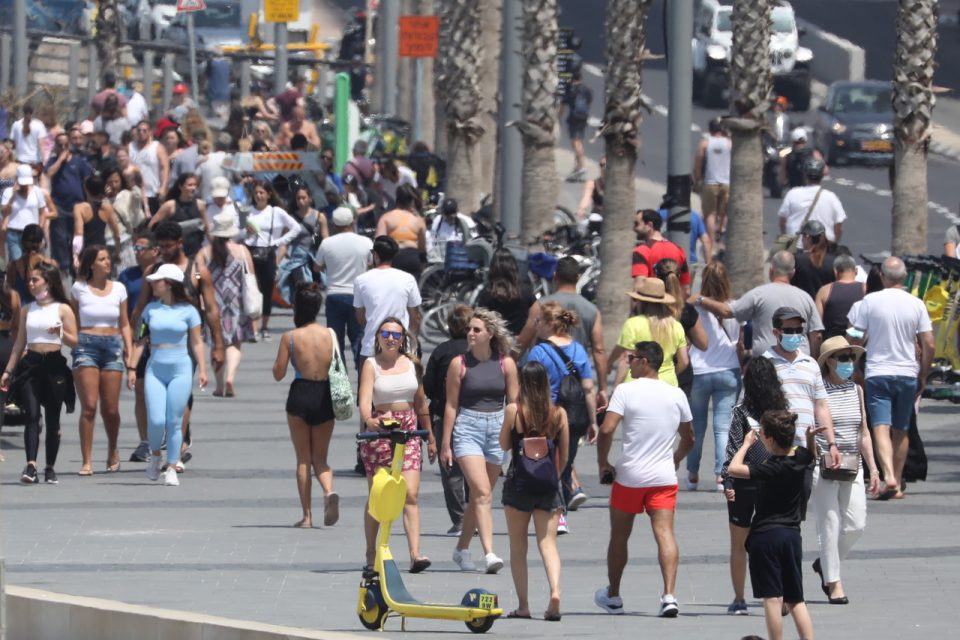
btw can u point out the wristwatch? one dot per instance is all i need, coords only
(699, 301)
(832, 444)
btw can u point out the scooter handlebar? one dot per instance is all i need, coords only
(387, 435)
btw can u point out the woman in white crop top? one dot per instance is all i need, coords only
(391, 387)
(42, 379)
(103, 346)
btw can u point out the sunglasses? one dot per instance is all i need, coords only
(847, 357)
(792, 331)
(386, 335)
(474, 330)
(632, 356)
(138, 248)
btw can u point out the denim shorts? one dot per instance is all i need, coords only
(477, 433)
(103, 352)
(890, 400)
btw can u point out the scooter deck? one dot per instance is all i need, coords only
(397, 592)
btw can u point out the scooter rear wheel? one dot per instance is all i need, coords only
(375, 610)
(480, 625)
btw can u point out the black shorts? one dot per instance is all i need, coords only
(740, 511)
(576, 129)
(775, 558)
(408, 259)
(529, 501)
(310, 401)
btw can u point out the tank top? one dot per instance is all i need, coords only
(94, 230)
(717, 169)
(483, 385)
(186, 212)
(146, 161)
(404, 232)
(39, 320)
(835, 309)
(391, 388)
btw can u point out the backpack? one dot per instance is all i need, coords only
(581, 104)
(535, 461)
(571, 395)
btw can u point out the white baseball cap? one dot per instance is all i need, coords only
(799, 135)
(342, 217)
(221, 187)
(24, 175)
(167, 272)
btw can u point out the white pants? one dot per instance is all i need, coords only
(841, 510)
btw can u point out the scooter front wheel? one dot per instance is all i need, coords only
(480, 625)
(374, 609)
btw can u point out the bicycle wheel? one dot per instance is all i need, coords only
(432, 282)
(433, 328)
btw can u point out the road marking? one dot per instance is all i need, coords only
(695, 128)
(593, 70)
(865, 186)
(884, 193)
(662, 110)
(844, 182)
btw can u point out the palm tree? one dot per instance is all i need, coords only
(750, 84)
(458, 86)
(492, 19)
(625, 40)
(912, 112)
(108, 32)
(538, 116)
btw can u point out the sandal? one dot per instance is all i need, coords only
(113, 463)
(551, 617)
(85, 473)
(229, 393)
(515, 614)
(420, 565)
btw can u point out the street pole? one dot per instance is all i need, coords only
(511, 153)
(244, 78)
(93, 73)
(389, 20)
(280, 58)
(341, 120)
(148, 79)
(418, 99)
(73, 79)
(679, 19)
(20, 47)
(194, 84)
(167, 82)
(6, 49)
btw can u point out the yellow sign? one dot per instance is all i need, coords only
(281, 10)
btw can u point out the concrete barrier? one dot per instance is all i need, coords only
(42, 615)
(833, 57)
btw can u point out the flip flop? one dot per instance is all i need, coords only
(514, 614)
(420, 565)
(886, 495)
(552, 617)
(85, 473)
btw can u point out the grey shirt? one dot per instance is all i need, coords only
(760, 303)
(586, 315)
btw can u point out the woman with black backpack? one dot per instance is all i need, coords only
(536, 433)
(571, 387)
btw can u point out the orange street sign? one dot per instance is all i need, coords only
(419, 36)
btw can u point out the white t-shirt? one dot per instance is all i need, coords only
(652, 411)
(797, 202)
(208, 170)
(721, 353)
(99, 311)
(137, 110)
(28, 146)
(891, 318)
(23, 211)
(384, 293)
(344, 257)
(405, 176)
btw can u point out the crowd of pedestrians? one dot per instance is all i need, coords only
(810, 380)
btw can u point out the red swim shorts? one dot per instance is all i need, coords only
(640, 499)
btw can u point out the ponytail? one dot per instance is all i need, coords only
(27, 117)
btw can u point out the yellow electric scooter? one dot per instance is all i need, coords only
(382, 592)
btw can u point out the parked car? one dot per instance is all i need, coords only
(855, 123)
(65, 16)
(713, 42)
(218, 25)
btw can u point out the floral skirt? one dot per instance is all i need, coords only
(379, 453)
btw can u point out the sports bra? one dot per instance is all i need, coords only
(39, 320)
(404, 232)
(401, 387)
(99, 311)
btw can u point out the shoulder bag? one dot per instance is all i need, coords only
(267, 252)
(787, 241)
(849, 462)
(341, 392)
(252, 299)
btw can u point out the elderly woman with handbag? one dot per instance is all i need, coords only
(839, 497)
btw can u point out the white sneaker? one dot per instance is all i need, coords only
(562, 528)
(463, 560)
(578, 498)
(170, 477)
(153, 468)
(669, 607)
(612, 605)
(493, 562)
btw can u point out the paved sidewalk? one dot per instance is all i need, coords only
(222, 543)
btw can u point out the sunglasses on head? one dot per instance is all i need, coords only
(791, 330)
(386, 335)
(846, 357)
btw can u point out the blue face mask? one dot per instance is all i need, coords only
(791, 341)
(845, 370)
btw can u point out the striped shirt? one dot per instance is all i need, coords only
(740, 422)
(846, 412)
(802, 383)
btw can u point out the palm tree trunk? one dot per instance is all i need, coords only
(750, 83)
(458, 85)
(625, 41)
(913, 102)
(489, 90)
(108, 32)
(539, 110)
(427, 98)
(405, 75)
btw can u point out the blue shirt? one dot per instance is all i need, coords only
(132, 279)
(546, 355)
(697, 229)
(66, 186)
(170, 325)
